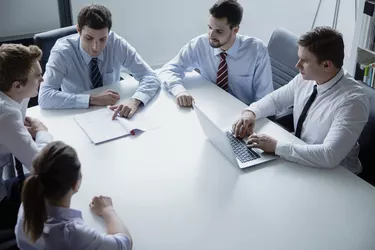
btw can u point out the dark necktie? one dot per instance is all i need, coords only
(96, 77)
(19, 169)
(303, 115)
(222, 73)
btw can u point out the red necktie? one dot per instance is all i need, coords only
(222, 73)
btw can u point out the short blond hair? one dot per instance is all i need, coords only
(16, 61)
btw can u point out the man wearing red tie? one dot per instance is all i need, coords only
(236, 63)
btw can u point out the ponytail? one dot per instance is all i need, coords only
(56, 171)
(34, 207)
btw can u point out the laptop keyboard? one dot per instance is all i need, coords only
(243, 153)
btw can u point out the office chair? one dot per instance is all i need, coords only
(45, 41)
(7, 240)
(366, 140)
(282, 49)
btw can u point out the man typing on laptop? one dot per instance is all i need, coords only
(330, 108)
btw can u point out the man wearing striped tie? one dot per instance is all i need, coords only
(90, 59)
(236, 63)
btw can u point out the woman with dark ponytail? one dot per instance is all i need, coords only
(45, 219)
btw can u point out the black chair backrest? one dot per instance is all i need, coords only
(366, 140)
(7, 239)
(46, 40)
(283, 49)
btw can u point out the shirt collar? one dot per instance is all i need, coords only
(232, 51)
(86, 57)
(63, 213)
(9, 100)
(327, 85)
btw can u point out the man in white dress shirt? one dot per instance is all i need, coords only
(330, 108)
(236, 63)
(20, 136)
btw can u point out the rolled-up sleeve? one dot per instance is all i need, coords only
(83, 237)
(149, 83)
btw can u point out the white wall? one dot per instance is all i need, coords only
(158, 29)
(345, 24)
(18, 17)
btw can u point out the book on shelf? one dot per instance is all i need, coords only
(368, 74)
(367, 38)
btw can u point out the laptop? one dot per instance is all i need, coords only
(234, 149)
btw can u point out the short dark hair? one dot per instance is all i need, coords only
(325, 43)
(229, 9)
(95, 16)
(56, 169)
(16, 61)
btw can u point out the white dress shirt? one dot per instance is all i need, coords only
(65, 229)
(249, 68)
(15, 139)
(333, 124)
(68, 68)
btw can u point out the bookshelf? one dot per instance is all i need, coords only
(362, 62)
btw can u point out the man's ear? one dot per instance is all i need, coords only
(236, 29)
(327, 65)
(78, 29)
(77, 186)
(16, 85)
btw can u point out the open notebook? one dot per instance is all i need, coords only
(99, 126)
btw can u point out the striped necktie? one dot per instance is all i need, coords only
(96, 77)
(222, 73)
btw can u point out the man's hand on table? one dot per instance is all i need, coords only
(184, 99)
(33, 125)
(126, 109)
(108, 97)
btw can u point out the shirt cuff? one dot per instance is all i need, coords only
(256, 111)
(144, 98)
(177, 89)
(82, 101)
(125, 241)
(43, 136)
(283, 148)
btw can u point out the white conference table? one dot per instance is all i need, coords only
(175, 191)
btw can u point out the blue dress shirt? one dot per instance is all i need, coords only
(68, 69)
(249, 68)
(65, 229)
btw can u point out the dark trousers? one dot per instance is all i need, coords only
(9, 205)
